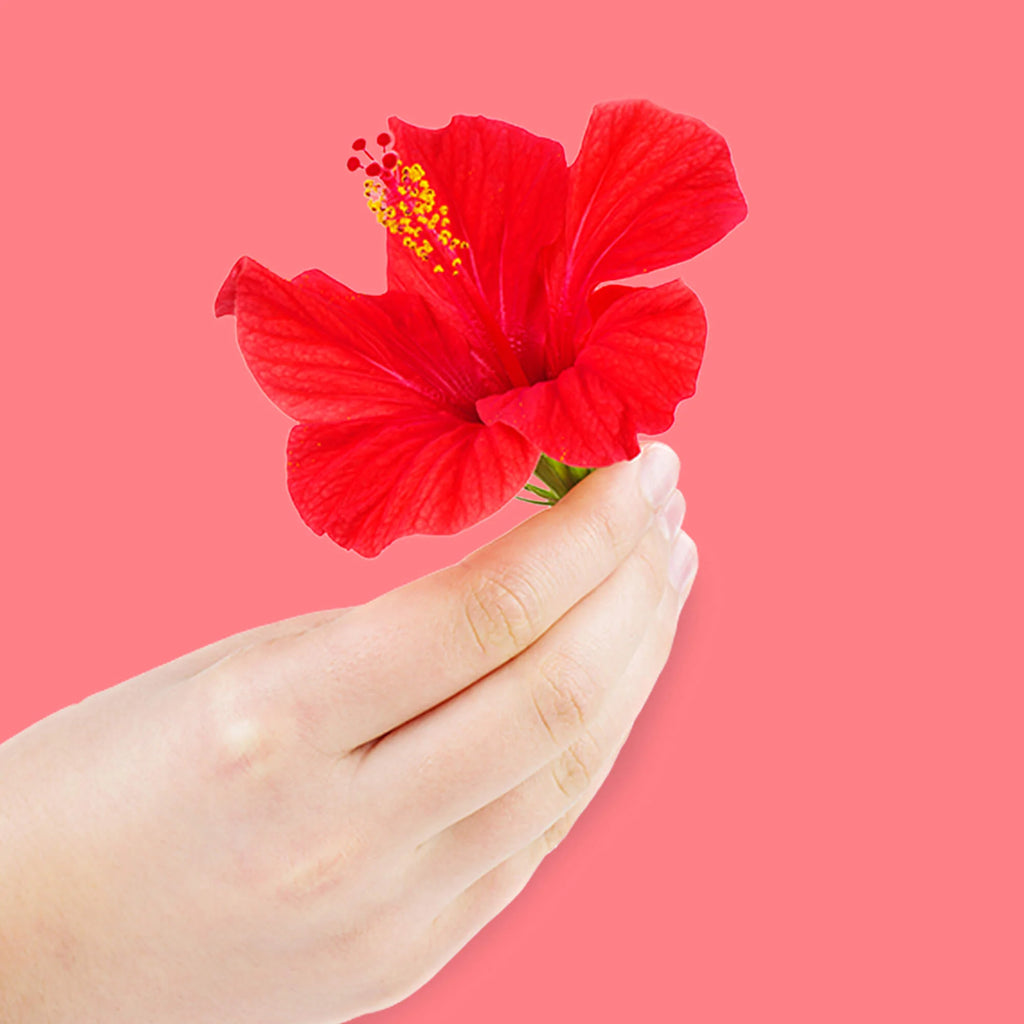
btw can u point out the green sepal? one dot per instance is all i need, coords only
(559, 476)
(542, 492)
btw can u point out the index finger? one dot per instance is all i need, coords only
(384, 663)
(503, 597)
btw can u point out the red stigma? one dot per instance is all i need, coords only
(353, 163)
(373, 170)
(390, 159)
(359, 144)
(383, 139)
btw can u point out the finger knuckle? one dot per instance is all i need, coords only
(574, 770)
(605, 530)
(243, 737)
(245, 747)
(556, 833)
(650, 572)
(502, 610)
(328, 870)
(563, 694)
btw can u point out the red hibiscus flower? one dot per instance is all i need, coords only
(427, 408)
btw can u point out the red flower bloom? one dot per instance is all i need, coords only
(425, 409)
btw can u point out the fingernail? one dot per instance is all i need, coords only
(659, 471)
(682, 562)
(670, 517)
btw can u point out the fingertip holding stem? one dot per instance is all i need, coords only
(659, 472)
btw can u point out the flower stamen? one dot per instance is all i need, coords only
(404, 201)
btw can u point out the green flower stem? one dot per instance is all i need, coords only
(559, 477)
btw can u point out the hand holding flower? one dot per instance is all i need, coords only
(305, 822)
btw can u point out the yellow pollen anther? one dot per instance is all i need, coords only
(406, 204)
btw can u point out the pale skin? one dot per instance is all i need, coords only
(303, 823)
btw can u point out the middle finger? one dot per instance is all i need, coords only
(463, 754)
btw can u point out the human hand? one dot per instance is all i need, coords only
(305, 822)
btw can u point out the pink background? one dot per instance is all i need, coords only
(819, 815)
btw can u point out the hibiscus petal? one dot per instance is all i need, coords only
(324, 353)
(639, 361)
(505, 193)
(368, 482)
(649, 188)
